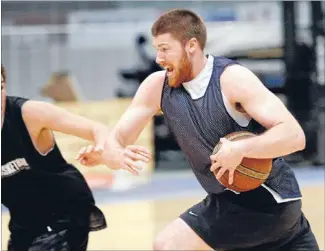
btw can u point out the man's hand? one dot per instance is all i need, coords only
(228, 158)
(131, 157)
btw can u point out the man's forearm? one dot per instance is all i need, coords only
(275, 142)
(112, 152)
(100, 133)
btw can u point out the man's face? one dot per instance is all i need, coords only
(3, 100)
(172, 56)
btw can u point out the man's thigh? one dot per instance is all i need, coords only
(179, 236)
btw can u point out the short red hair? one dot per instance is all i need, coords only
(182, 24)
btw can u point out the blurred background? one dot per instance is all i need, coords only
(90, 57)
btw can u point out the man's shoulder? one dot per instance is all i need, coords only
(15, 101)
(158, 76)
(19, 107)
(150, 90)
(154, 81)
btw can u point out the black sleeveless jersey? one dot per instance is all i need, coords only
(39, 188)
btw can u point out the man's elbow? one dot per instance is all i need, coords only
(300, 139)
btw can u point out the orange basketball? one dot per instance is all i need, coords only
(251, 173)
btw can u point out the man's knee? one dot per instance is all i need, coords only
(160, 243)
(179, 236)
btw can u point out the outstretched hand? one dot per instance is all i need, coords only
(131, 157)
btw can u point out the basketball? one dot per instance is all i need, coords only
(251, 173)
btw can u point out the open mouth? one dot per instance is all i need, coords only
(169, 71)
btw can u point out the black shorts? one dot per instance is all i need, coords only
(57, 237)
(254, 222)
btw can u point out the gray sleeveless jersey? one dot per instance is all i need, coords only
(199, 124)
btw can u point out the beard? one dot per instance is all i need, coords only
(180, 73)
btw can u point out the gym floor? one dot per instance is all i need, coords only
(135, 215)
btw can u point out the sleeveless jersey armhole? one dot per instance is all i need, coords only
(164, 86)
(19, 104)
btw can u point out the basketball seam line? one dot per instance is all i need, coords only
(251, 173)
(240, 135)
(243, 169)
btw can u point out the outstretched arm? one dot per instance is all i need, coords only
(41, 118)
(144, 106)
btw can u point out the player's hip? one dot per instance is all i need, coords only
(223, 223)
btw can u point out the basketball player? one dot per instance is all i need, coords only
(204, 98)
(50, 203)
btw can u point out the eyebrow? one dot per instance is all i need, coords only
(161, 44)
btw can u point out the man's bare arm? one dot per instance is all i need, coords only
(143, 108)
(283, 136)
(41, 117)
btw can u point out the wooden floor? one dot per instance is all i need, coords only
(133, 226)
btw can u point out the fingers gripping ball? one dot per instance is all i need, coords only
(251, 173)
